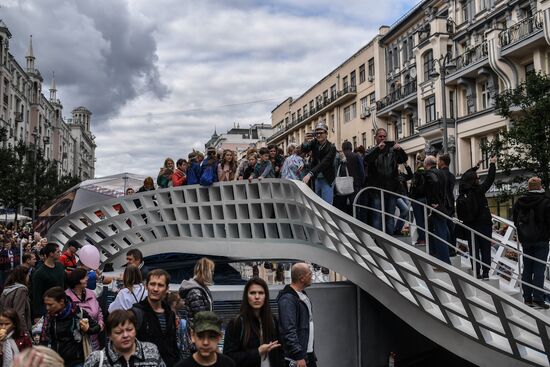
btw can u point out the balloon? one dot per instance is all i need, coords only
(89, 256)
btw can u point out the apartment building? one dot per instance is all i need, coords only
(482, 47)
(240, 139)
(30, 117)
(344, 99)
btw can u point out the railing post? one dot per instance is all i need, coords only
(382, 206)
(426, 236)
(473, 255)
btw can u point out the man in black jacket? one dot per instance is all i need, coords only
(435, 198)
(443, 162)
(382, 162)
(323, 153)
(531, 214)
(296, 318)
(156, 322)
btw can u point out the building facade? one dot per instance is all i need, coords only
(344, 99)
(452, 55)
(30, 117)
(240, 139)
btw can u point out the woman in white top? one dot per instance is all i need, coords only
(133, 292)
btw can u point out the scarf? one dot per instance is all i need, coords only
(68, 311)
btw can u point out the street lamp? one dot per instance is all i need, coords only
(445, 63)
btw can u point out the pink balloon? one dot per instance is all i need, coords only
(89, 256)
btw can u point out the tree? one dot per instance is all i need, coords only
(524, 148)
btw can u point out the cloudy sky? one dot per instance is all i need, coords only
(159, 75)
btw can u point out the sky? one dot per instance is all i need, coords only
(159, 76)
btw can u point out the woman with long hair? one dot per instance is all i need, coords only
(228, 166)
(195, 291)
(65, 326)
(251, 339)
(164, 178)
(16, 295)
(13, 337)
(85, 299)
(133, 292)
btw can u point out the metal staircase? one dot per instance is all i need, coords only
(281, 218)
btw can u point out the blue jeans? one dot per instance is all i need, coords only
(324, 190)
(403, 207)
(419, 218)
(390, 202)
(533, 272)
(438, 226)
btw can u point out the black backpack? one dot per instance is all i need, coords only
(467, 208)
(528, 230)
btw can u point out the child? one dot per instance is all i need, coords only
(250, 166)
(263, 169)
(207, 334)
(13, 338)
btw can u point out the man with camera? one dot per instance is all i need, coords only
(382, 161)
(323, 153)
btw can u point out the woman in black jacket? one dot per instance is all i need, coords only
(65, 327)
(481, 221)
(252, 337)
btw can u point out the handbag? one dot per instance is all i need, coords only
(344, 184)
(86, 345)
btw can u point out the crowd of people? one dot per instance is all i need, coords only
(52, 314)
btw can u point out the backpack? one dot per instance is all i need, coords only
(528, 230)
(207, 176)
(467, 208)
(192, 178)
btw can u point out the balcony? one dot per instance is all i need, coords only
(19, 117)
(397, 95)
(324, 105)
(521, 30)
(471, 56)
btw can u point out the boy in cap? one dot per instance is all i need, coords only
(206, 333)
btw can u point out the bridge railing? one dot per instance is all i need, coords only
(505, 243)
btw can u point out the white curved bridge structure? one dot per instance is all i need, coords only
(285, 219)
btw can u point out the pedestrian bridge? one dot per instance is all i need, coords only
(285, 219)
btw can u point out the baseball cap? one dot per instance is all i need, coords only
(207, 321)
(321, 126)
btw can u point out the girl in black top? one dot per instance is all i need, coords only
(251, 339)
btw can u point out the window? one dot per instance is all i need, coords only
(333, 91)
(465, 10)
(372, 98)
(299, 113)
(405, 49)
(529, 68)
(484, 154)
(430, 108)
(354, 139)
(361, 73)
(305, 111)
(364, 139)
(311, 105)
(350, 112)
(364, 104)
(352, 78)
(485, 95)
(390, 61)
(484, 4)
(294, 117)
(428, 64)
(325, 96)
(345, 83)
(412, 123)
(452, 104)
(371, 67)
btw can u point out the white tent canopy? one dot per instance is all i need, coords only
(6, 218)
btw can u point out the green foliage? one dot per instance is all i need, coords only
(523, 149)
(19, 164)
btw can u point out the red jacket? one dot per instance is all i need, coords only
(68, 260)
(179, 178)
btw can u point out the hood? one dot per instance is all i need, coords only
(468, 180)
(190, 284)
(12, 288)
(531, 200)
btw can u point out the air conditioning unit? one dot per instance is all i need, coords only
(366, 114)
(371, 78)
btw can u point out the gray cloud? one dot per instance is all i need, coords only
(103, 55)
